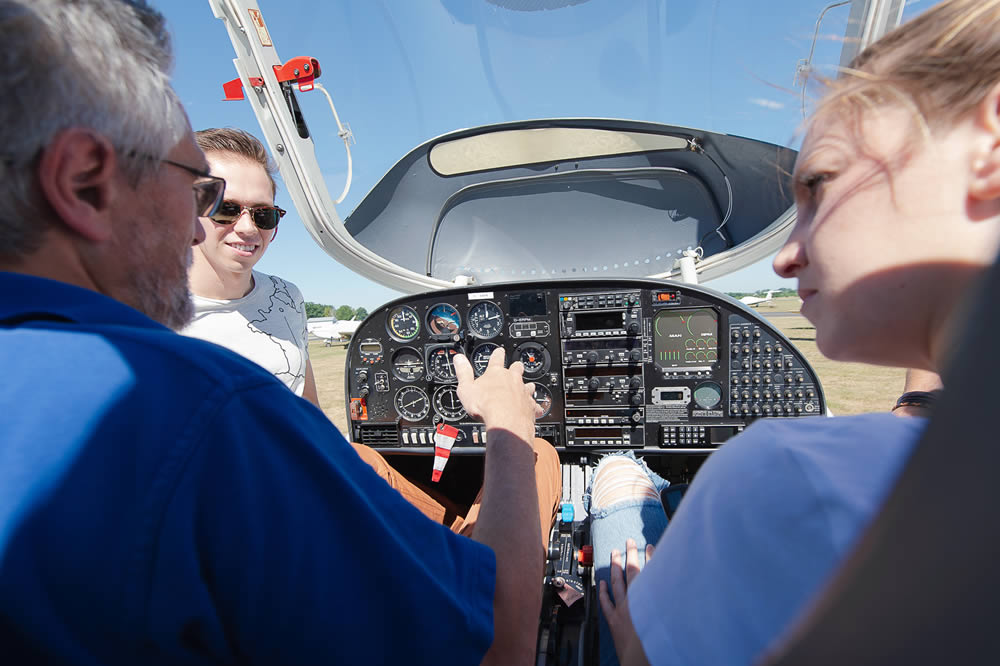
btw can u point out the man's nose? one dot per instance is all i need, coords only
(244, 223)
(199, 233)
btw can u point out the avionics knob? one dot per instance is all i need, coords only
(756, 349)
(798, 394)
(745, 395)
(636, 417)
(810, 394)
(636, 399)
(567, 358)
(633, 328)
(362, 375)
(635, 382)
(756, 409)
(736, 335)
(777, 409)
(592, 357)
(767, 349)
(777, 348)
(363, 391)
(756, 395)
(746, 365)
(635, 355)
(594, 384)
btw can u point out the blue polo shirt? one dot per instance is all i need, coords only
(163, 500)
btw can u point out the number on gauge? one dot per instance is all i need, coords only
(412, 403)
(485, 320)
(407, 364)
(447, 405)
(443, 319)
(481, 357)
(403, 323)
(544, 399)
(535, 359)
(441, 363)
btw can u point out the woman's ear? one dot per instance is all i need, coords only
(77, 174)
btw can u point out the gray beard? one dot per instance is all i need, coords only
(162, 299)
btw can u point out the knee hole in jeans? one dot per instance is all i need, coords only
(621, 479)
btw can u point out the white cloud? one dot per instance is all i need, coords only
(766, 103)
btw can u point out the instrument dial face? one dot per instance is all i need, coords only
(412, 403)
(481, 357)
(407, 365)
(485, 320)
(447, 405)
(544, 399)
(441, 364)
(443, 320)
(708, 395)
(403, 323)
(535, 359)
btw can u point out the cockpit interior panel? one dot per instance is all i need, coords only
(653, 366)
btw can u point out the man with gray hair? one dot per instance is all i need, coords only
(162, 499)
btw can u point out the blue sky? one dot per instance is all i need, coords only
(404, 71)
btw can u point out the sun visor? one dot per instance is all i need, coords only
(566, 198)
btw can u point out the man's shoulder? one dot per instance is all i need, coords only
(275, 283)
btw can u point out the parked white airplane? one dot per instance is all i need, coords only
(754, 301)
(331, 329)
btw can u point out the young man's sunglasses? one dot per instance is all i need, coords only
(265, 217)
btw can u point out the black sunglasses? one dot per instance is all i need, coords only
(265, 217)
(208, 189)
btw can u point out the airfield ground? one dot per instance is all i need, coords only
(851, 388)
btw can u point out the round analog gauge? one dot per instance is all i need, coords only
(544, 399)
(407, 365)
(481, 357)
(403, 323)
(412, 403)
(485, 320)
(441, 364)
(535, 359)
(443, 319)
(708, 395)
(447, 404)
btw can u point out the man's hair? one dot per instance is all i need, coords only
(99, 64)
(239, 143)
(940, 64)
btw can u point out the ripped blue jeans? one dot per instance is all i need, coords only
(641, 517)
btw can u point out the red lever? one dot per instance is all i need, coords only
(585, 556)
(303, 70)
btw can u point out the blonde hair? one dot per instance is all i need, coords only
(941, 64)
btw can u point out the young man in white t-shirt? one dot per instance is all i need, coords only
(259, 316)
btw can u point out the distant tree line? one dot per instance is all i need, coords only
(346, 312)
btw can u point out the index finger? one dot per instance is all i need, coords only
(497, 359)
(463, 369)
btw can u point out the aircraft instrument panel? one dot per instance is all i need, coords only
(648, 365)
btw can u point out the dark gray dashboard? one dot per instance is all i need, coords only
(655, 366)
